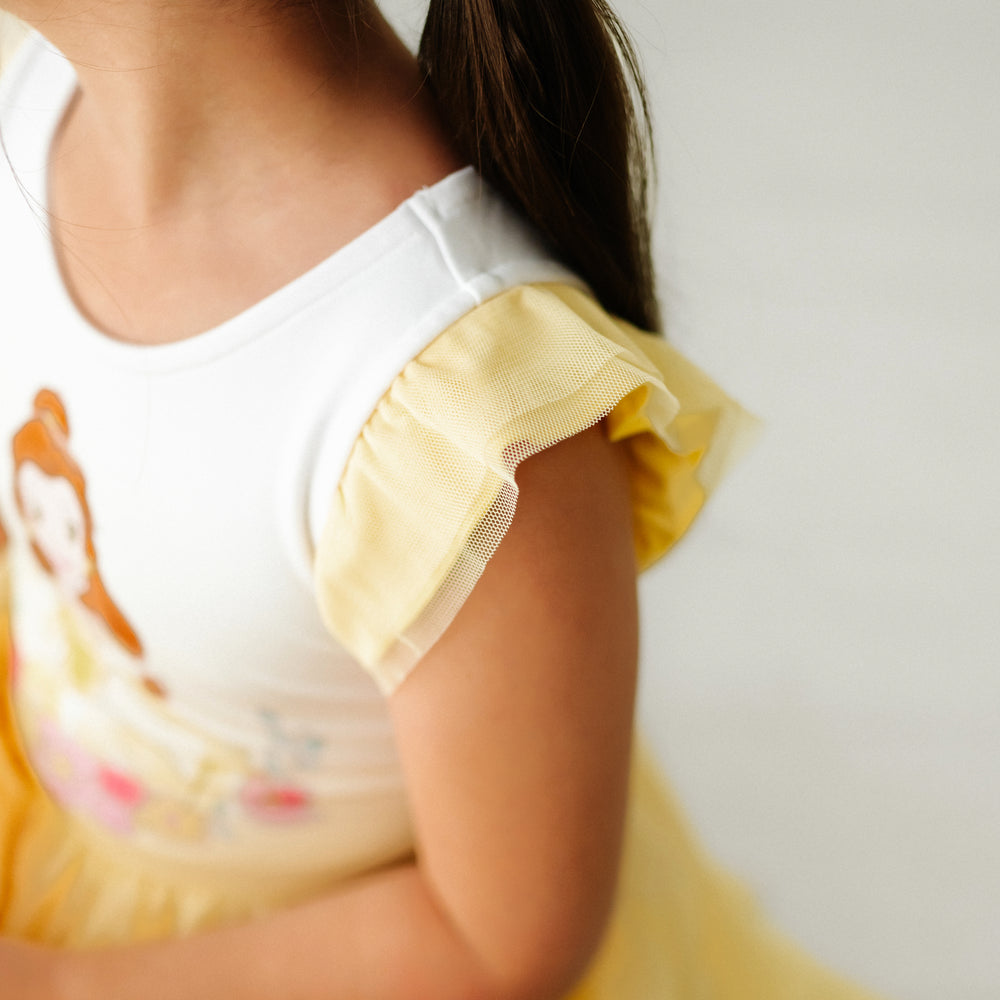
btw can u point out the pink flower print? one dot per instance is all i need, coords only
(79, 781)
(115, 798)
(65, 768)
(120, 787)
(273, 801)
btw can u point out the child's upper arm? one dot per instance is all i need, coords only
(479, 559)
(514, 731)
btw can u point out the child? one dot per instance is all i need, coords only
(326, 482)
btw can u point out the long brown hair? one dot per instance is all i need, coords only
(545, 97)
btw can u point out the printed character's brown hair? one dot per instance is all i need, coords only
(44, 441)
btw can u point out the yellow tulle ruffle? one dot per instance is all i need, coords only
(429, 489)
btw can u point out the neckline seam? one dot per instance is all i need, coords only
(54, 94)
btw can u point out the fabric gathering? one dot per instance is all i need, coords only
(333, 501)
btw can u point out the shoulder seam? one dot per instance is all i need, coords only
(428, 218)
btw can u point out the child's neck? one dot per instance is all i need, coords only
(168, 90)
(223, 153)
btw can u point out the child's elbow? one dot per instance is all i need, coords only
(550, 975)
(549, 958)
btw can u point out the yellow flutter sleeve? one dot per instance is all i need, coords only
(426, 497)
(429, 489)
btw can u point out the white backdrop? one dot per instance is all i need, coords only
(822, 665)
(820, 654)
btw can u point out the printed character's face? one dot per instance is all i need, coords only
(55, 521)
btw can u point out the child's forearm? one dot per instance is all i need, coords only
(381, 938)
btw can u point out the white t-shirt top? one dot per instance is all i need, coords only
(175, 683)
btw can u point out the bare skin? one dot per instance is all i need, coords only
(161, 231)
(515, 730)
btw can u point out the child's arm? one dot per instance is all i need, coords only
(514, 733)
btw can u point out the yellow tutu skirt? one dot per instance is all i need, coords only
(682, 930)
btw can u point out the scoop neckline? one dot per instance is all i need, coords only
(59, 89)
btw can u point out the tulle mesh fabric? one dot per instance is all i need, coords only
(429, 490)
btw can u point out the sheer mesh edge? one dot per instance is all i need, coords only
(429, 491)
